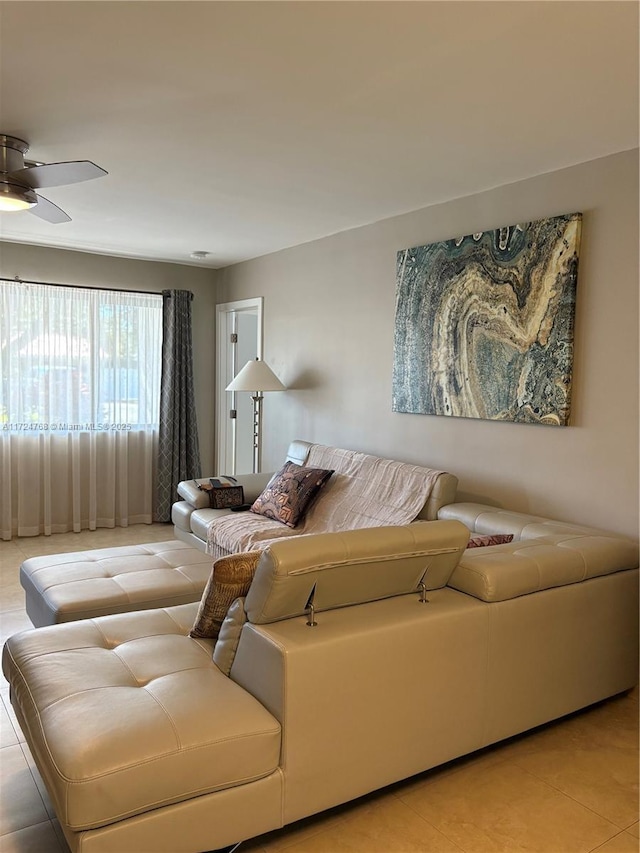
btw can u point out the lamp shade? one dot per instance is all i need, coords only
(256, 375)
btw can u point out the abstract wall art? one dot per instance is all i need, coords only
(484, 324)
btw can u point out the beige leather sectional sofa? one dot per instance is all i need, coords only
(423, 651)
(65, 587)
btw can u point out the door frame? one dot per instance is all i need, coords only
(225, 426)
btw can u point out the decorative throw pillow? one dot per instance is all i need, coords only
(226, 646)
(479, 540)
(230, 578)
(290, 492)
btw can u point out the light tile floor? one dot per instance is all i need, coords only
(568, 787)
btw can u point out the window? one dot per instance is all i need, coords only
(78, 358)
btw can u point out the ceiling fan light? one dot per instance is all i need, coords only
(14, 197)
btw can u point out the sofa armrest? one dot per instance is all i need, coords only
(527, 566)
(253, 485)
(443, 493)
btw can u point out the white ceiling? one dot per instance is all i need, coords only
(240, 128)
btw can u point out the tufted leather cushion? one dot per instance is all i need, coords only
(126, 713)
(84, 584)
(532, 565)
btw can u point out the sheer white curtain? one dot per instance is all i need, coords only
(79, 400)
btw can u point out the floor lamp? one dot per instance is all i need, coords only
(256, 376)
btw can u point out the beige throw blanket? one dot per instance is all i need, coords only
(364, 491)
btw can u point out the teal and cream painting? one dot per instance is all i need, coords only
(484, 324)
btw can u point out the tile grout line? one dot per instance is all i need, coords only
(17, 732)
(600, 846)
(59, 848)
(618, 828)
(428, 822)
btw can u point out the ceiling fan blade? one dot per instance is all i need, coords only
(49, 211)
(57, 174)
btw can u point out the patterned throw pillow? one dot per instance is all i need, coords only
(479, 540)
(230, 578)
(290, 492)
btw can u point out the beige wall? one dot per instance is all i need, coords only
(36, 263)
(329, 318)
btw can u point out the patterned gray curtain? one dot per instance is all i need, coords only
(178, 447)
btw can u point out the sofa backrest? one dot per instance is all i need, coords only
(442, 493)
(341, 569)
(298, 451)
(483, 518)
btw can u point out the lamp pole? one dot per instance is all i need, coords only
(257, 431)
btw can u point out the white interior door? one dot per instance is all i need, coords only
(239, 339)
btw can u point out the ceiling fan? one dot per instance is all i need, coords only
(19, 179)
